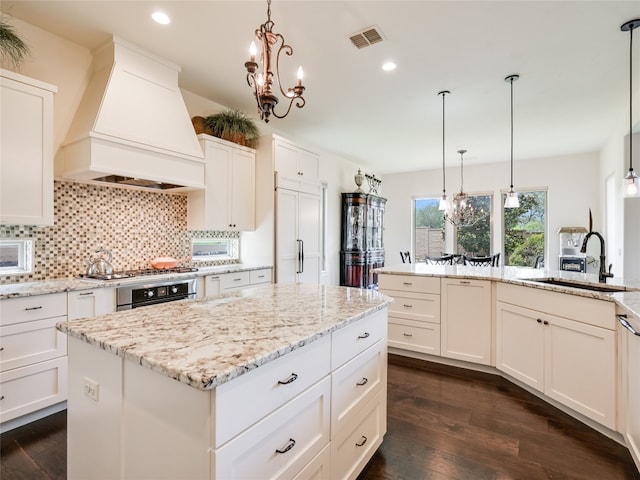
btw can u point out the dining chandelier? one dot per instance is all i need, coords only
(631, 183)
(463, 213)
(262, 82)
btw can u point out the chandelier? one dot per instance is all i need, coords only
(262, 81)
(463, 213)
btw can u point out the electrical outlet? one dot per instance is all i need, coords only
(91, 388)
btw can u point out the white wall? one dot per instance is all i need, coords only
(572, 183)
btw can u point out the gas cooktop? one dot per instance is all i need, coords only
(145, 272)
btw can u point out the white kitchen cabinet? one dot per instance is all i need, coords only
(465, 324)
(414, 316)
(228, 202)
(26, 150)
(570, 358)
(297, 169)
(33, 354)
(630, 356)
(227, 282)
(297, 237)
(91, 303)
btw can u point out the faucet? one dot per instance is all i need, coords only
(602, 274)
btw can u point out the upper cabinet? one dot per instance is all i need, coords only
(228, 202)
(298, 169)
(26, 150)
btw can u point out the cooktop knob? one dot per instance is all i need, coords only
(150, 293)
(174, 289)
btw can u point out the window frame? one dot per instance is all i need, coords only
(25, 257)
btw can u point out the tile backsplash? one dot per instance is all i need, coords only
(136, 226)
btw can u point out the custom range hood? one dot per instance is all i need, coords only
(132, 127)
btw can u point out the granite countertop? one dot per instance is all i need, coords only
(26, 289)
(630, 302)
(204, 343)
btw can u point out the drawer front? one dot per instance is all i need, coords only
(273, 384)
(36, 307)
(234, 280)
(415, 336)
(409, 283)
(353, 447)
(319, 468)
(356, 382)
(91, 303)
(30, 342)
(357, 337)
(425, 308)
(282, 444)
(260, 276)
(27, 389)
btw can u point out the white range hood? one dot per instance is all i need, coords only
(132, 126)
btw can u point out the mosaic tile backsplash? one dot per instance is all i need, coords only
(137, 226)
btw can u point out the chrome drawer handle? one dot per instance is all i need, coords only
(364, 381)
(364, 335)
(625, 323)
(362, 441)
(292, 378)
(86, 293)
(34, 308)
(289, 446)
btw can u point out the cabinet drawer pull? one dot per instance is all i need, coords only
(625, 323)
(407, 306)
(538, 320)
(2, 397)
(407, 283)
(465, 282)
(364, 381)
(86, 293)
(260, 276)
(1, 349)
(363, 440)
(408, 334)
(289, 446)
(292, 378)
(237, 279)
(546, 322)
(34, 308)
(364, 335)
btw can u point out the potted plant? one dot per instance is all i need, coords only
(12, 47)
(232, 125)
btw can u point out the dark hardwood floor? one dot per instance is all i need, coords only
(443, 423)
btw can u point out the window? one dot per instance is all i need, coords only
(209, 249)
(475, 240)
(525, 229)
(16, 256)
(429, 228)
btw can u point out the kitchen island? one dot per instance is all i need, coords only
(278, 381)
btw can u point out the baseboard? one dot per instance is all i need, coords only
(32, 417)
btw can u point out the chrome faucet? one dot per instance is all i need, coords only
(602, 274)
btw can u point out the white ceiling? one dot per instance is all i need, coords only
(571, 56)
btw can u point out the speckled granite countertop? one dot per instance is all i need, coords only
(630, 302)
(26, 289)
(207, 342)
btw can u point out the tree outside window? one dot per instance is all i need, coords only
(475, 240)
(429, 228)
(525, 229)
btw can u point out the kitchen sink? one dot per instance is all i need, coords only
(594, 287)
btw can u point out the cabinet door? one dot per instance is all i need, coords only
(466, 320)
(309, 234)
(580, 368)
(243, 191)
(632, 343)
(218, 174)
(308, 166)
(520, 343)
(286, 164)
(26, 151)
(287, 245)
(23, 344)
(212, 285)
(91, 303)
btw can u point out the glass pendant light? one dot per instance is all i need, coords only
(445, 203)
(512, 196)
(631, 182)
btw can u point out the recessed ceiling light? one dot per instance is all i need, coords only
(161, 18)
(388, 66)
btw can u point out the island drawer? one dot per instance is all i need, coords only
(415, 336)
(33, 387)
(30, 342)
(36, 307)
(268, 387)
(356, 382)
(409, 283)
(282, 444)
(355, 338)
(420, 307)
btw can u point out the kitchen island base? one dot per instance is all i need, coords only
(127, 421)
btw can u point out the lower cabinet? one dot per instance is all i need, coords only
(228, 282)
(91, 303)
(570, 358)
(630, 343)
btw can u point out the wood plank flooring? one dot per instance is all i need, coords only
(444, 423)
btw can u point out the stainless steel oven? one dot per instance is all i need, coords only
(154, 292)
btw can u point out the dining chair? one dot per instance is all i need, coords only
(539, 263)
(488, 261)
(405, 256)
(442, 260)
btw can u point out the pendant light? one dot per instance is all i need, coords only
(512, 196)
(631, 182)
(445, 204)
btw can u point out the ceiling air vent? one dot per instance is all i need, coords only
(366, 37)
